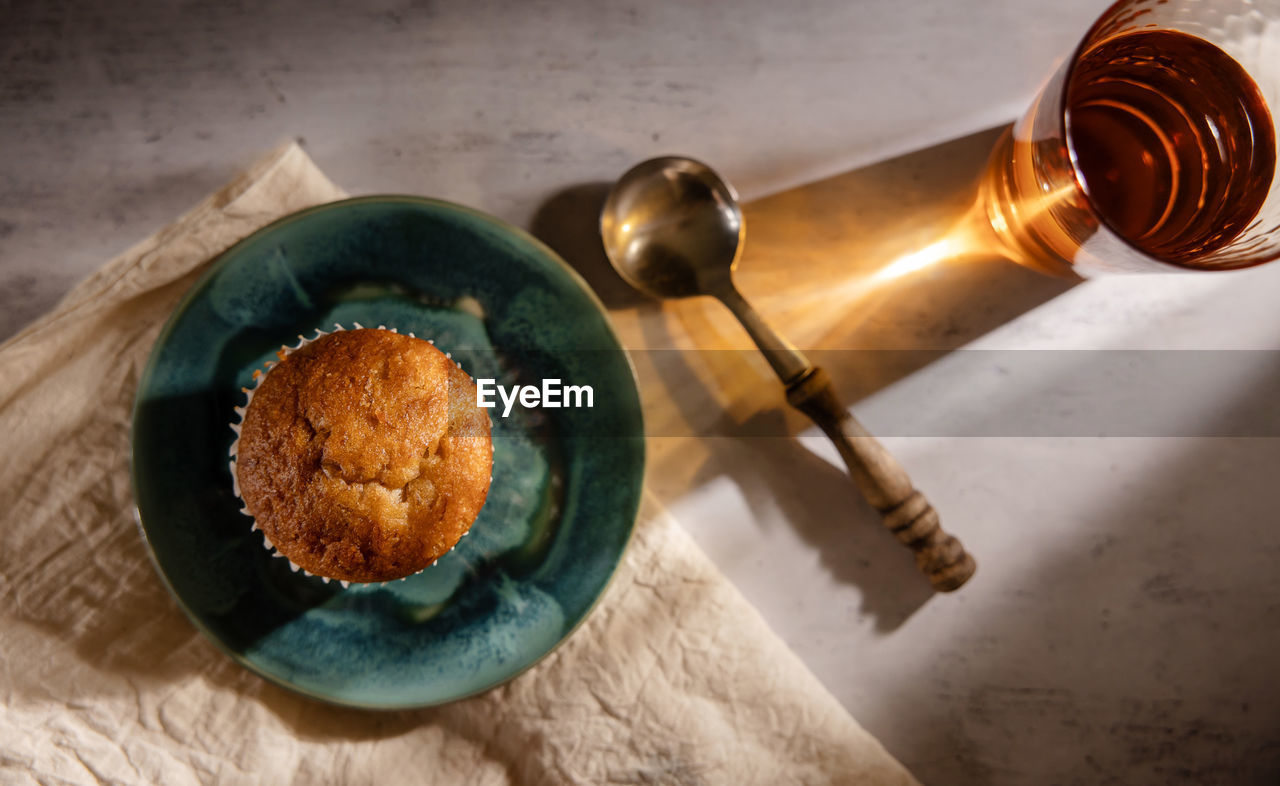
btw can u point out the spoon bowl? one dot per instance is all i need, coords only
(672, 228)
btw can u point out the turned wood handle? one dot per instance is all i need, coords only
(884, 483)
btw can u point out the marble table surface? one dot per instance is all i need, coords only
(1108, 451)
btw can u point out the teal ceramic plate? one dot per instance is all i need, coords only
(566, 482)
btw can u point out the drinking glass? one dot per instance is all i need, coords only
(1152, 148)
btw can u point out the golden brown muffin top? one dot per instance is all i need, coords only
(363, 455)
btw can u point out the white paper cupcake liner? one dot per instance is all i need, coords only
(258, 376)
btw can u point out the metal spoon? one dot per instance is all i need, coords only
(673, 229)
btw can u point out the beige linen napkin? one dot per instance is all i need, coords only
(674, 678)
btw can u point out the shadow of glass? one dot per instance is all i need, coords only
(894, 256)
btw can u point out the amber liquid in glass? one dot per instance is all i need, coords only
(1169, 144)
(1172, 141)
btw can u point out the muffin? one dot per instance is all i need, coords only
(363, 455)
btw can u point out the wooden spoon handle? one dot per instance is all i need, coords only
(884, 483)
